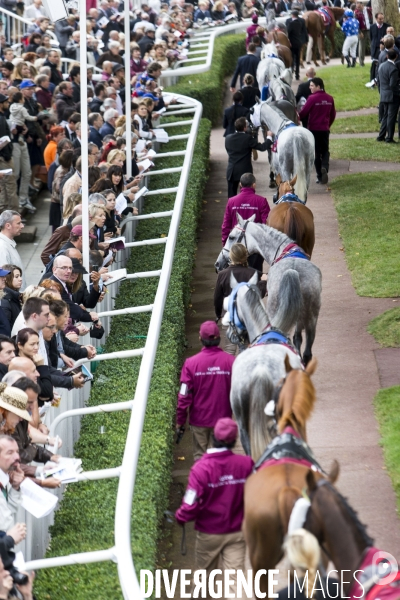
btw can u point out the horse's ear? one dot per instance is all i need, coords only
(233, 282)
(311, 481)
(311, 367)
(278, 179)
(252, 218)
(334, 472)
(288, 366)
(240, 219)
(253, 279)
(292, 181)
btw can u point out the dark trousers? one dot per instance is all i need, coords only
(321, 139)
(296, 61)
(255, 261)
(388, 124)
(374, 67)
(232, 188)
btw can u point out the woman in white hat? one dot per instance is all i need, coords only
(12, 408)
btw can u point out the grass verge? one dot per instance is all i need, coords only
(387, 410)
(361, 124)
(369, 223)
(85, 520)
(347, 86)
(209, 87)
(364, 149)
(386, 328)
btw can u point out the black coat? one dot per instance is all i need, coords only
(223, 286)
(376, 35)
(250, 94)
(76, 312)
(95, 137)
(55, 75)
(11, 305)
(389, 82)
(83, 296)
(230, 115)
(239, 147)
(303, 91)
(6, 152)
(297, 32)
(145, 44)
(246, 64)
(5, 328)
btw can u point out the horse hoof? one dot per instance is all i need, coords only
(272, 185)
(328, 59)
(316, 64)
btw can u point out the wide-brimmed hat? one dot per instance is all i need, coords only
(14, 400)
(77, 267)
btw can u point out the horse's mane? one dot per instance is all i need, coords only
(361, 528)
(253, 296)
(296, 410)
(294, 226)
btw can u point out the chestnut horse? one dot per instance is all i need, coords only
(271, 492)
(316, 29)
(282, 44)
(293, 218)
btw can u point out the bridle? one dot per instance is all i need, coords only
(241, 237)
(276, 196)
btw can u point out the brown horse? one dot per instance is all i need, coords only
(293, 218)
(340, 533)
(316, 29)
(271, 492)
(282, 45)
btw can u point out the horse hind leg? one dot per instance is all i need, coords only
(298, 338)
(321, 46)
(310, 337)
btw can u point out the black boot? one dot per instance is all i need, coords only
(353, 62)
(348, 62)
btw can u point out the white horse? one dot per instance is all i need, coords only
(280, 88)
(270, 66)
(295, 148)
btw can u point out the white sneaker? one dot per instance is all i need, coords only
(26, 203)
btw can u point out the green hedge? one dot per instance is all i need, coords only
(209, 87)
(85, 520)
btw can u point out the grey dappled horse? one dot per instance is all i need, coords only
(270, 66)
(280, 88)
(295, 147)
(270, 243)
(258, 370)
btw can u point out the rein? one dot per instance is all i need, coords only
(292, 250)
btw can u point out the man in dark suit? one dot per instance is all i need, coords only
(303, 91)
(298, 36)
(234, 112)
(239, 146)
(278, 6)
(246, 64)
(389, 87)
(377, 32)
(95, 124)
(62, 269)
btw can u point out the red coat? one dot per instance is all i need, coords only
(214, 495)
(320, 110)
(205, 388)
(247, 203)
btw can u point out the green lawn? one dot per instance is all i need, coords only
(387, 410)
(386, 328)
(364, 149)
(361, 124)
(347, 86)
(368, 211)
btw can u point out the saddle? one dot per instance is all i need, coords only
(289, 198)
(274, 336)
(288, 446)
(292, 250)
(326, 17)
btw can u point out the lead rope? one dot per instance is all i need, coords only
(183, 541)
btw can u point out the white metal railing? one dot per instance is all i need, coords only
(66, 424)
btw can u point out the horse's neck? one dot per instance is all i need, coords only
(267, 241)
(342, 541)
(271, 118)
(256, 322)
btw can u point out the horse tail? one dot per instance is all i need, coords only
(286, 500)
(293, 225)
(289, 301)
(299, 169)
(261, 391)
